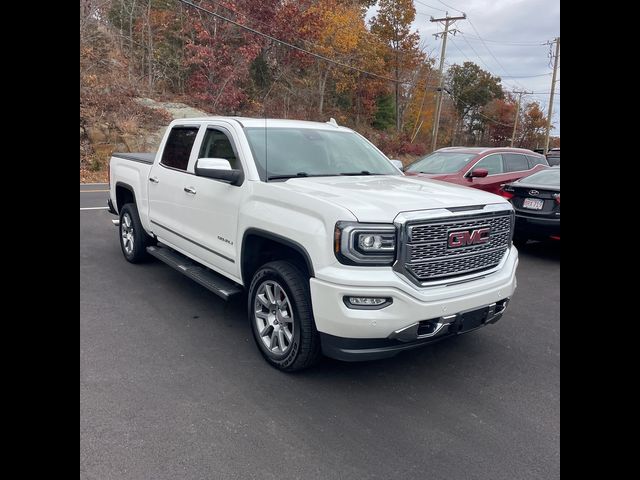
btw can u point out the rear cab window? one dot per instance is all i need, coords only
(178, 147)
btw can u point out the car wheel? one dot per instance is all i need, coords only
(279, 305)
(133, 239)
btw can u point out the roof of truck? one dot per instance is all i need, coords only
(270, 122)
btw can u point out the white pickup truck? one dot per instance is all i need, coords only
(338, 252)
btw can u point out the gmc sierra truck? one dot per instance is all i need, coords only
(338, 252)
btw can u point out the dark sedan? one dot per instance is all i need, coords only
(536, 200)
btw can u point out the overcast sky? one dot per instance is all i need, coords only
(512, 31)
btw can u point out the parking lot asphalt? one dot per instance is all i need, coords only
(173, 386)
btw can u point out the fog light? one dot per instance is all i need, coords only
(367, 302)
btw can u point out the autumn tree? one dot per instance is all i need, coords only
(340, 27)
(392, 24)
(471, 89)
(500, 115)
(420, 110)
(533, 126)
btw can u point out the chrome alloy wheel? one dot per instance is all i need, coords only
(274, 317)
(127, 232)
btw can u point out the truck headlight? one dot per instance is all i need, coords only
(365, 243)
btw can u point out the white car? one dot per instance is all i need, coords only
(338, 251)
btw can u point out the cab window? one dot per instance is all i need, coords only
(216, 144)
(178, 147)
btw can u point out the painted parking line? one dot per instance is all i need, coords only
(92, 191)
(94, 208)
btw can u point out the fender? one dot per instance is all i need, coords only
(126, 186)
(279, 239)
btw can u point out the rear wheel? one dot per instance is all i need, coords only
(133, 239)
(281, 317)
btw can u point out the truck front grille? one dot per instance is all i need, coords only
(427, 255)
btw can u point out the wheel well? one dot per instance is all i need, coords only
(258, 249)
(124, 195)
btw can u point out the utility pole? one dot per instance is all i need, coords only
(448, 21)
(515, 122)
(397, 82)
(553, 88)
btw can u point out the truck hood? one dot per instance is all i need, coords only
(382, 198)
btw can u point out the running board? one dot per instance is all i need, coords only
(207, 278)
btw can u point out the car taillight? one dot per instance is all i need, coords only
(507, 195)
(506, 192)
(556, 196)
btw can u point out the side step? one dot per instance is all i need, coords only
(207, 278)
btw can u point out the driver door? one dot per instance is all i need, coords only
(210, 207)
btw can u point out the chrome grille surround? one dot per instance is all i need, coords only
(424, 257)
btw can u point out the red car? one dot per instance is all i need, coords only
(478, 167)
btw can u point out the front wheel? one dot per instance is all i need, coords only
(281, 317)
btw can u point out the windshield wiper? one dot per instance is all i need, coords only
(305, 174)
(362, 172)
(292, 175)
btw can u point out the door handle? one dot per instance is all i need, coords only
(154, 180)
(190, 190)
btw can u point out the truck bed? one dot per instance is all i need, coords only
(137, 157)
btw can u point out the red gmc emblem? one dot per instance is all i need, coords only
(468, 237)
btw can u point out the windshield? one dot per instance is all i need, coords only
(550, 177)
(441, 162)
(301, 152)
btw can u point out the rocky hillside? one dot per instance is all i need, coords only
(101, 136)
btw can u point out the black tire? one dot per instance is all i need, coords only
(140, 238)
(304, 349)
(520, 240)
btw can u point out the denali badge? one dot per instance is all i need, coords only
(534, 192)
(468, 237)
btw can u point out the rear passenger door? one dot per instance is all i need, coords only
(166, 182)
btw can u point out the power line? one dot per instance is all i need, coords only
(295, 47)
(500, 42)
(260, 22)
(512, 87)
(450, 6)
(488, 50)
(430, 6)
(528, 76)
(477, 112)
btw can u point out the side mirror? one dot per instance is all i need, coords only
(218, 169)
(397, 164)
(479, 173)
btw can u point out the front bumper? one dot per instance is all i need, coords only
(416, 335)
(347, 327)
